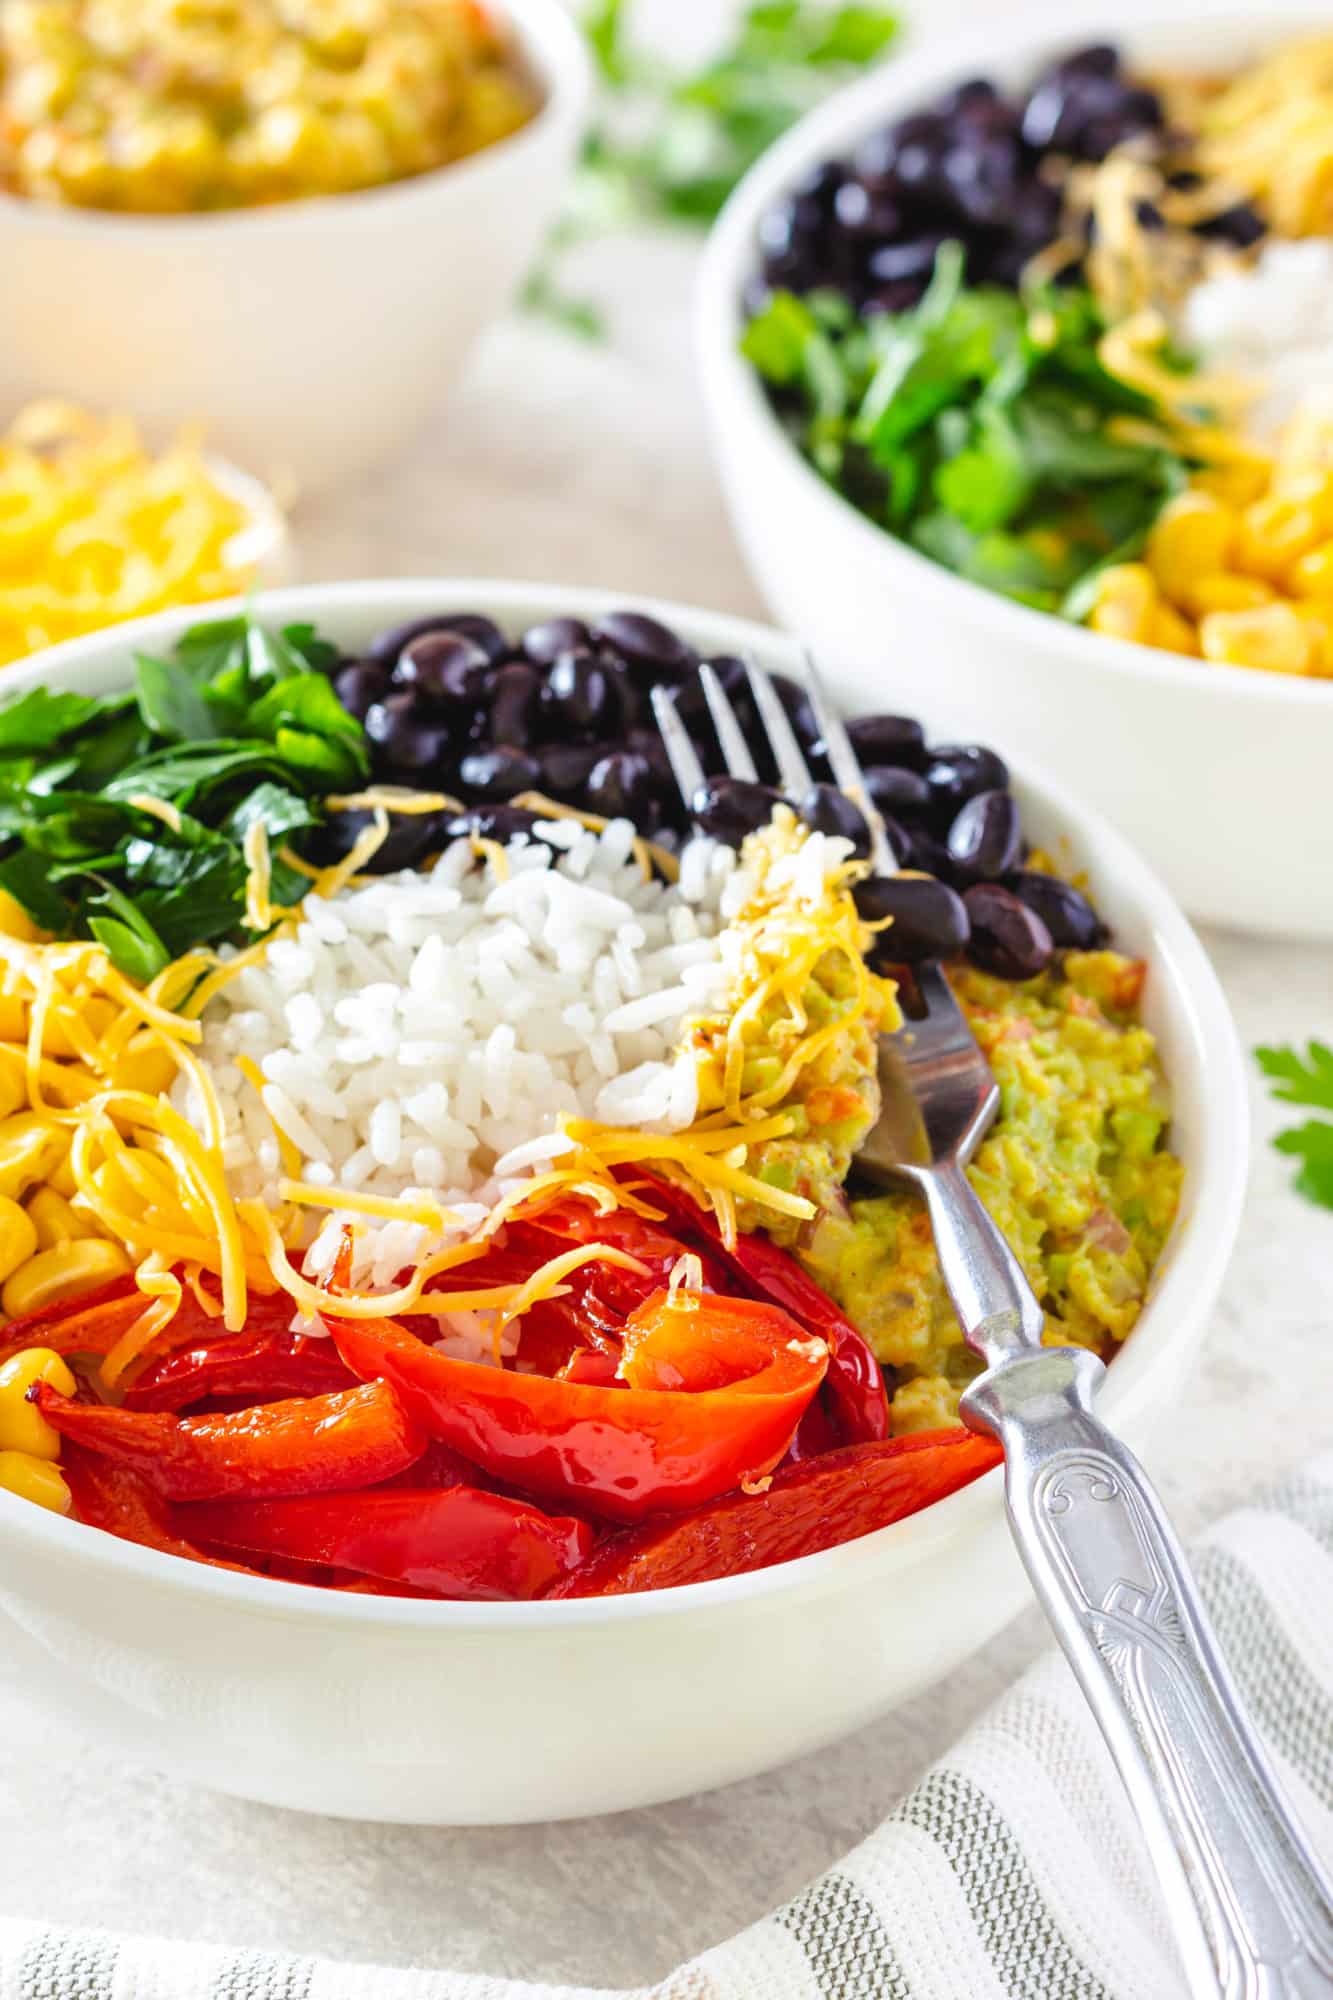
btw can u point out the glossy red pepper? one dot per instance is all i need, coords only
(89, 1323)
(854, 1387)
(256, 1367)
(314, 1444)
(715, 1390)
(811, 1506)
(119, 1500)
(453, 1541)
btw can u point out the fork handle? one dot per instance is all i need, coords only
(1251, 1907)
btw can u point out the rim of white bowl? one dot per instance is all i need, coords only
(732, 388)
(549, 47)
(1201, 1242)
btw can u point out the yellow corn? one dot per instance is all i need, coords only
(1194, 535)
(13, 1013)
(95, 1014)
(1237, 485)
(1271, 638)
(58, 1273)
(35, 1479)
(1227, 593)
(55, 1221)
(61, 1179)
(22, 1427)
(13, 1088)
(14, 919)
(1311, 575)
(1174, 634)
(1126, 600)
(1273, 534)
(18, 1237)
(31, 1147)
(146, 1066)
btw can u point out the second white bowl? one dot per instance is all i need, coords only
(311, 337)
(1220, 774)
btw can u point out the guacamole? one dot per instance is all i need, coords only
(1074, 1171)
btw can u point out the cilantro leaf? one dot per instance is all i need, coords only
(1306, 1080)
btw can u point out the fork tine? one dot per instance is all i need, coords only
(731, 737)
(686, 769)
(846, 767)
(793, 771)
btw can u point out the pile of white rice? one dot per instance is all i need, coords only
(1272, 322)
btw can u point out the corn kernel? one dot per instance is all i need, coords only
(13, 1087)
(1126, 599)
(18, 1237)
(1316, 615)
(1236, 485)
(148, 1068)
(23, 1427)
(30, 1148)
(55, 1221)
(1271, 638)
(14, 919)
(1311, 575)
(1273, 533)
(61, 1178)
(1193, 535)
(1174, 634)
(59, 1273)
(35, 1479)
(1227, 593)
(13, 1017)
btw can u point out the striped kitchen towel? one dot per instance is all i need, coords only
(1013, 1872)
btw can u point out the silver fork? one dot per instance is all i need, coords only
(1251, 1907)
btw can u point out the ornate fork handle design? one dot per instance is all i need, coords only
(1252, 1908)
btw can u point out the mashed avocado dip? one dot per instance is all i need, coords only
(1074, 1171)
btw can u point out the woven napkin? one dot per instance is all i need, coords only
(1014, 1871)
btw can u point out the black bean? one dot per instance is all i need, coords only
(360, 684)
(565, 768)
(929, 855)
(914, 257)
(445, 667)
(644, 642)
(956, 772)
(985, 838)
(827, 810)
(410, 838)
(629, 698)
(865, 210)
(543, 644)
(624, 786)
(729, 808)
(483, 632)
(515, 692)
(1241, 226)
(498, 773)
(401, 728)
(490, 823)
(1067, 915)
(929, 918)
(897, 790)
(1098, 59)
(1008, 938)
(888, 739)
(578, 695)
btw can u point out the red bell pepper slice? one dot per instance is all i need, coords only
(454, 1541)
(715, 1390)
(88, 1323)
(256, 1367)
(314, 1444)
(854, 1385)
(120, 1501)
(811, 1506)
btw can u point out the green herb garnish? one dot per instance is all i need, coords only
(979, 426)
(1307, 1081)
(671, 146)
(238, 726)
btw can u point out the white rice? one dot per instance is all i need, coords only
(1274, 323)
(424, 1034)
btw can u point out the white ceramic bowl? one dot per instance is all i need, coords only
(451, 1713)
(1219, 773)
(310, 337)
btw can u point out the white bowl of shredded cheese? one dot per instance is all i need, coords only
(421, 1711)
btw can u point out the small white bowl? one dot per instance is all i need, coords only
(309, 337)
(395, 1709)
(1220, 774)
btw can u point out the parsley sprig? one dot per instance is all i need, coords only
(1305, 1080)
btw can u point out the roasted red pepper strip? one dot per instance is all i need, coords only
(454, 1541)
(89, 1323)
(314, 1444)
(811, 1506)
(256, 1367)
(113, 1497)
(854, 1386)
(740, 1375)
